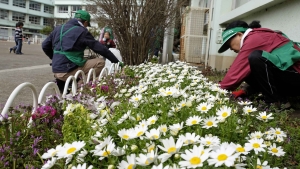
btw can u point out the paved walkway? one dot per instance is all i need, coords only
(31, 67)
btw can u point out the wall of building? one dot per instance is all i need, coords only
(273, 14)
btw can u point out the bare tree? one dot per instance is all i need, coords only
(137, 24)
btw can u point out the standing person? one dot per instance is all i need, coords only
(66, 44)
(109, 43)
(18, 39)
(267, 61)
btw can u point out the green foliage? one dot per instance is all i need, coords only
(46, 30)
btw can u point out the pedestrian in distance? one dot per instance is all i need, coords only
(18, 39)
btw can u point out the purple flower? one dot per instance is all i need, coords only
(104, 88)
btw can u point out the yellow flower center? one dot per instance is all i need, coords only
(204, 108)
(258, 136)
(248, 110)
(136, 99)
(202, 152)
(259, 167)
(138, 118)
(155, 137)
(71, 150)
(194, 122)
(152, 121)
(278, 132)
(222, 157)
(172, 150)
(150, 149)
(240, 149)
(208, 142)
(106, 153)
(274, 150)
(195, 160)
(256, 145)
(164, 129)
(130, 166)
(183, 105)
(225, 114)
(264, 117)
(169, 93)
(209, 123)
(125, 136)
(140, 133)
(54, 153)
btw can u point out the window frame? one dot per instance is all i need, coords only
(63, 11)
(36, 6)
(19, 3)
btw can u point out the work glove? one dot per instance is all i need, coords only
(121, 64)
(238, 93)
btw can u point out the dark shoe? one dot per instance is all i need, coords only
(61, 85)
(19, 53)
(10, 50)
(14, 50)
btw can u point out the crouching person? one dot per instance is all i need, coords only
(66, 44)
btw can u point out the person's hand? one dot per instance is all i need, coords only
(238, 93)
(121, 64)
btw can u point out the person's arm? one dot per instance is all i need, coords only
(97, 47)
(47, 46)
(112, 44)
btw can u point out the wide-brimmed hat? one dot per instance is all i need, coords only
(227, 34)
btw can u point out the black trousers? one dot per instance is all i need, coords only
(275, 84)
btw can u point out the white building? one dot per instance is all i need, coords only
(35, 14)
(274, 14)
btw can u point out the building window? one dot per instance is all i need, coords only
(238, 3)
(76, 8)
(48, 22)
(35, 6)
(62, 9)
(48, 9)
(4, 1)
(4, 14)
(20, 3)
(20, 17)
(34, 20)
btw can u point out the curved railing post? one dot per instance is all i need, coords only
(111, 68)
(74, 86)
(91, 72)
(48, 85)
(104, 72)
(13, 96)
(82, 75)
(117, 67)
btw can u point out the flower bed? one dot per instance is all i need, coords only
(150, 116)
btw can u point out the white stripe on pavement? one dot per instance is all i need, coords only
(26, 68)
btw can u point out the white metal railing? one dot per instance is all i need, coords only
(40, 99)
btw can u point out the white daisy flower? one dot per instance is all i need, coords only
(204, 107)
(183, 103)
(139, 131)
(160, 166)
(256, 134)
(263, 165)
(123, 90)
(224, 112)
(277, 151)
(163, 129)
(255, 144)
(83, 166)
(126, 134)
(70, 149)
(145, 160)
(193, 158)
(210, 122)
(193, 120)
(277, 132)
(154, 134)
(249, 109)
(124, 117)
(129, 164)
(143, 123)
(151, 120)
(49, 164)
(189, 138)
(223, 155)
(119, 151)
(244, 103)
(170, 148)
(136, 98)
(81, 155)
(175, 128)
(69, 109)
(106, 152)
(150, 147)
(264, 117)
(210, 140)
(52, 152)
(240, 149)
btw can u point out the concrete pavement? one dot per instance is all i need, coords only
(32, 66)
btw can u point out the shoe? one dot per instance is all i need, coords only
(14, 50)
(10, 50)
(19, 53)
